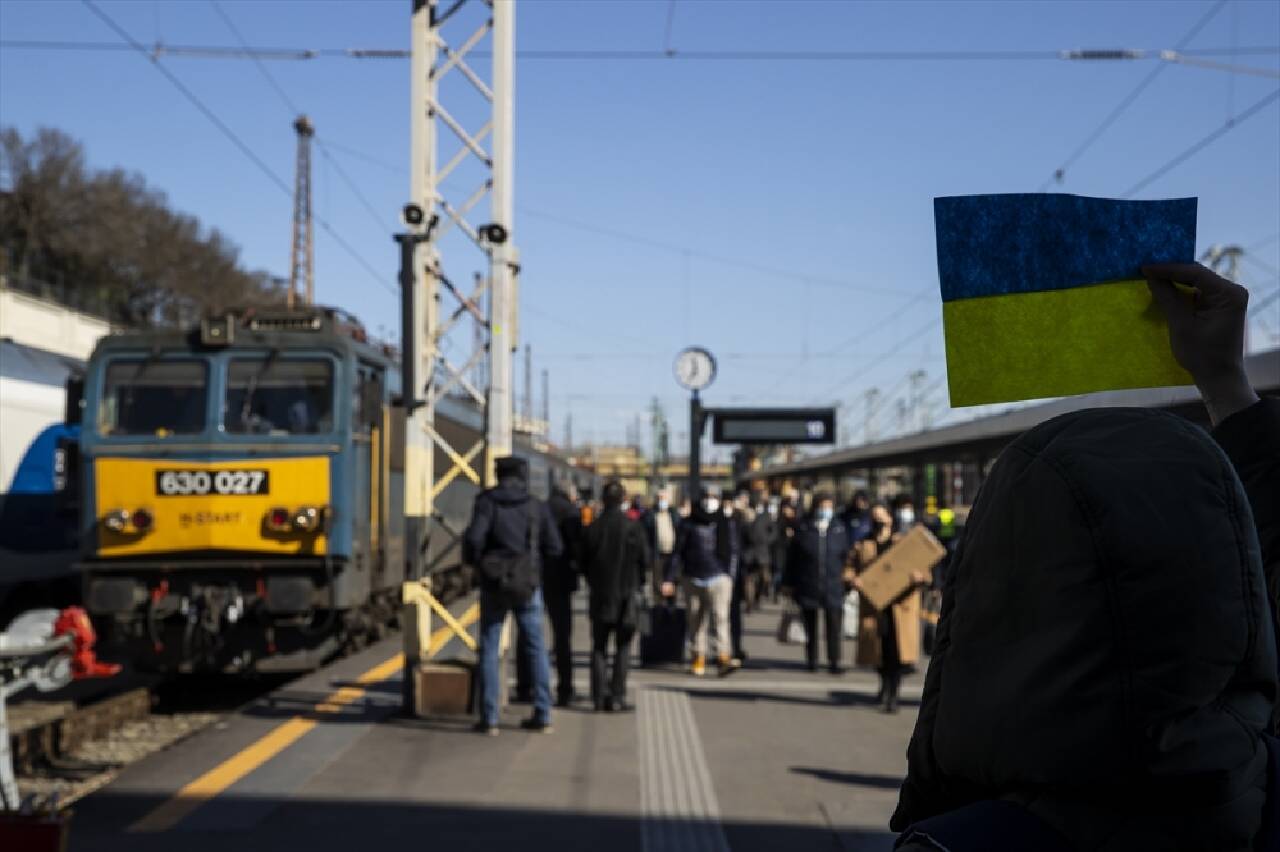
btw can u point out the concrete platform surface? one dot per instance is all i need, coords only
(772, 757)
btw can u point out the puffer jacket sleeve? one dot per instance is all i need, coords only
(1251, 439)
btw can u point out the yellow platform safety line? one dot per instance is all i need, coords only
(217, 780)
(418, 592)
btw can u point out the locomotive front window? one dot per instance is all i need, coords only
(275, 396)
(153, 397)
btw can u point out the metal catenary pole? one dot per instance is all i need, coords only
(443, 40)
(503, 264)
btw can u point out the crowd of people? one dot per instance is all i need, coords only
(720, 557)
(1105, 673)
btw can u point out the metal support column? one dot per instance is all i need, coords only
(502, 254)
(695, 447)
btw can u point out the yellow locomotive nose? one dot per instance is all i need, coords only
(265, 505)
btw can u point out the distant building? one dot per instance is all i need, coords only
(638, 475)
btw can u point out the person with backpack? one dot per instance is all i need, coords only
(510, 536)
(614, 559)
(1105, 673)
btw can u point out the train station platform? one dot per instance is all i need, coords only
(772, 757)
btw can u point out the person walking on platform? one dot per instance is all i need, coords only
(614, 558)
(510, 536)
(888, 639)
(559, 582)
(740, 518)
(816, 579)
(783, 531)
(706, 558)
(858, 516)
(661, 526)
(758, 552)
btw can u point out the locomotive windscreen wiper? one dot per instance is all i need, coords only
(247, 406)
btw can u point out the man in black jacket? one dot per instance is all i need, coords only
(559, 582)
(614, 559)
(815, 576)
(1106, 660)
(506, 521)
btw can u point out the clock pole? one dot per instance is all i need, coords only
(695, 448)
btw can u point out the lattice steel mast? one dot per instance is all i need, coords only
(446, 126)
(302, 250)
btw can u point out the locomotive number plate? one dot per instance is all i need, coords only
(182, 483)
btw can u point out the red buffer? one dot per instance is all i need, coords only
(74, 622)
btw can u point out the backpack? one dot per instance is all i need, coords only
(513, 575)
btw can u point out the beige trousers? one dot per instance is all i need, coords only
(706, 604)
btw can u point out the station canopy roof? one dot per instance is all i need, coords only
(987, 435)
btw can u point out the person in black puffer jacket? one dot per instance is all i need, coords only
(1106, 660)
(816, 578)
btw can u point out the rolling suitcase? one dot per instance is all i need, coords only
(662, 634)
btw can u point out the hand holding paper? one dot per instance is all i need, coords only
(1206, 331)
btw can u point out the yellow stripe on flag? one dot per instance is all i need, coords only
(1057, 343)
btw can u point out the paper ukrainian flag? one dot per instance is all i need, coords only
(1043, 295)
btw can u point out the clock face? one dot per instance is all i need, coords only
(695, 368)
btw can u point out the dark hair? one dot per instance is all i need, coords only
(903, 500)
(861, 495)
(613, 493)
(822, 497)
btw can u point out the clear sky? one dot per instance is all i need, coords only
(778, 212)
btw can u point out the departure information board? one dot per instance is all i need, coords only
(773, 425)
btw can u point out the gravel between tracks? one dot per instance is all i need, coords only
(123, 746)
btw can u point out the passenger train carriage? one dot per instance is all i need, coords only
(242, 492)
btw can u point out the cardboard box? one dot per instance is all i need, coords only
(445, 689)
(889, 575)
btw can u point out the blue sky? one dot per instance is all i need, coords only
(777, 212)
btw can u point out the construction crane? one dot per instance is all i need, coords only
(302, 248)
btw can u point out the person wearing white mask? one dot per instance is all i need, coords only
(705, 558)
(661, 526)
(816, 579)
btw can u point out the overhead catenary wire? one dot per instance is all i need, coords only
(303, 54)
(1194, 149)
(295, 110)
(1060, 173)
(233, 137)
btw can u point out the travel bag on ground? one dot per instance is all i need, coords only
(662, 634)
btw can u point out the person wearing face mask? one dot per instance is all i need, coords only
(740, 516)
(759, 558)
(783, 530)
(705, 558)
(660, 529)
(904, 513)
(888, 639)
(816, 578)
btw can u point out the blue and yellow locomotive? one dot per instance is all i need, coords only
(242, 493)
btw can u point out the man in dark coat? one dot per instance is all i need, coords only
(758, 551)
(815, 576)
(502, 522)
(614, 559)
(559, 582)
(1106, 659)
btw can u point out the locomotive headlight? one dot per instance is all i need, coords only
(307, 519)
(278, 520)
(116, 520)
